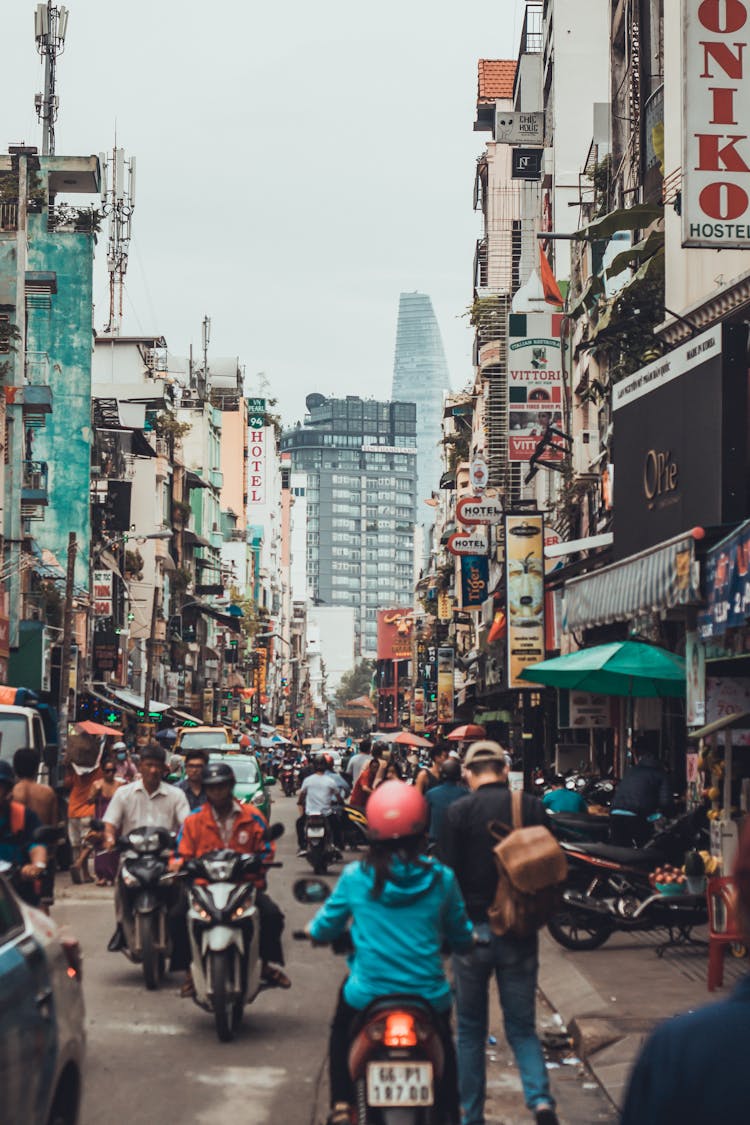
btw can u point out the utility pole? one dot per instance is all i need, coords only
(50, 26)
(118, 202)
(67, 641)
(150, 655)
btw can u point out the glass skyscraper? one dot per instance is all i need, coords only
(359, 457)
(420, 375)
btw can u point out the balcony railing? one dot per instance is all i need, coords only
(532, 31)
(34, 494)
(9, 216)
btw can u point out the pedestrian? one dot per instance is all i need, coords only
(430, 776)
(103, 790)
(79, 781)
(466, 845)
(369, 776)
(692, 1070)
(440, 797)
(192, 784)
(358, 760)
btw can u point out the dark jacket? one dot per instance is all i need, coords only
(466, 844)
(195, 802)
(644, 789)
(693, 1070)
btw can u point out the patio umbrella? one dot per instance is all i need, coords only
(628, 668)
(406, 738)
(97, 728)
(466, 733)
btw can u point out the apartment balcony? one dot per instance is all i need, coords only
(34, 493)
(9, 217)
(216, 539)
(216, 478)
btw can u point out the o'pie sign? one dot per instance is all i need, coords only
(472, 510)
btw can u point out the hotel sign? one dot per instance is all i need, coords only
(716, 111)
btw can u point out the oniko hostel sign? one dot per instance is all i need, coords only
(716, 124)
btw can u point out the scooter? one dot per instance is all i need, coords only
(224, 931)
(287, 779)
(149, 891)
(319, 846)
(608, 889)
(396, 1055)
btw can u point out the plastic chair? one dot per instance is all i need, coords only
(723, 926)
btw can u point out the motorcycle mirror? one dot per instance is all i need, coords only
(275, 831)
(310, 891)
(192, 867)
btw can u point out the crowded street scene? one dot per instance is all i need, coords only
(375, 563)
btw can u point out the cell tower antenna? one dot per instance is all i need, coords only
(118, 203)
(50, 27)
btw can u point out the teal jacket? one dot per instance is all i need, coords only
(398, 936)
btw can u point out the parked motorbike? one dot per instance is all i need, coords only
(224, 931)
(579, 827)
(608, 888)
(396, 1054)
(319, 846)
(149, 891)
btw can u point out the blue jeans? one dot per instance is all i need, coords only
(514, 963)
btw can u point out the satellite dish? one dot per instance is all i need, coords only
(312, 402)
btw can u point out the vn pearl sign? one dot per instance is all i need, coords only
(716, 112)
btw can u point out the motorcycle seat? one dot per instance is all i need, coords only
(398, 999)
(628, 857)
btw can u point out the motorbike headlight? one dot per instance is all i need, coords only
(202, 914)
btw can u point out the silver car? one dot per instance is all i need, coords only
(42, 1036)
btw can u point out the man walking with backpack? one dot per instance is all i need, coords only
(466, 845)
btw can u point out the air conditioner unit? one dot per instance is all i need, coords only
(584, 452)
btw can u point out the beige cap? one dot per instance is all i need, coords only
(485, 751)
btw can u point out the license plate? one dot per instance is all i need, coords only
(399, 1084)
(316, 833)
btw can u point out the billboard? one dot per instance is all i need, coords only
(445, 700)
(395, 631)
(716, 105)
(535, 383)
(474, 580)
(524, 555)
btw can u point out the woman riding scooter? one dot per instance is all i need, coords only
(403, 906)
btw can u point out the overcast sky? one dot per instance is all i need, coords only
(299, 165)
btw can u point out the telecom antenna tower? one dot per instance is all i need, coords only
(50, 26)
(118, 202)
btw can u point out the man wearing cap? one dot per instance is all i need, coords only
(693, 1069)
(466, 845)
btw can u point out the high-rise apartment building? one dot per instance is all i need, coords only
(359, 457)
(420, 375)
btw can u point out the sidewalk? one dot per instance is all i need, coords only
(611, 998)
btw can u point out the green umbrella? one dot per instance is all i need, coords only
(629, 668)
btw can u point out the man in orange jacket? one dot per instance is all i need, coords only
(225, 823)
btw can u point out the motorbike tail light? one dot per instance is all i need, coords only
(400, 1030)
(72, 950)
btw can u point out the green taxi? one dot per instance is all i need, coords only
(251, 786)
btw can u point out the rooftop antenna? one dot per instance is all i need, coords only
(50, 26)
(203, 383)
(118, 202)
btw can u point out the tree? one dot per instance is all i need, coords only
(355, 682)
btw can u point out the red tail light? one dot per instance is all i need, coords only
(72, 951)
(400, 1030)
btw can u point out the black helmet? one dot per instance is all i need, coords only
(450, 770)
(7, 777)
(218, 773)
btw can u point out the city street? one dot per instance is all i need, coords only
(154, 1056)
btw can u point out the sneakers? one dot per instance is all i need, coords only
(545, 1115)
(301, 852)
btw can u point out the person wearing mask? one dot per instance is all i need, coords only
(643, 792)
(670, 1080)
(466, 845)
(428, 778)
(223, 822)
(17, 826)
(125, 767)
(319, 795)
(358, 760)
(559, 799)
(440, 797)
(192, 784)
(397, 900)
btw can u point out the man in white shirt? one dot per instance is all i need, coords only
(320, 795)
(359, 760)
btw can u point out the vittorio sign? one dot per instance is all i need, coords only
(716, 111)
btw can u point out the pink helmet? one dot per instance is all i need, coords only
(394, 810)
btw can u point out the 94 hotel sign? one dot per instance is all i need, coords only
(716, 112)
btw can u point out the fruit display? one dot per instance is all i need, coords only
(668, 876)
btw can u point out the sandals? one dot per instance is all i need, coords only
(187, 989)
(341, 1114)
(275, 976)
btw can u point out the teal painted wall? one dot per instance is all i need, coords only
(62, 327)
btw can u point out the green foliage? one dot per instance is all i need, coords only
(626, 324)
(181, 512)
(181, 579)
(356, 682)
(601, 178)
(134, 564)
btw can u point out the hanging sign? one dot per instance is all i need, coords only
(524, 552)
(479, 509)
(101, 584)
(445, 702)
(469, 544)
(535, 384)
(478, 474)
(474, 580)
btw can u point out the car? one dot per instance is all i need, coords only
(201, 738)
(252, 785)
(42, 1022)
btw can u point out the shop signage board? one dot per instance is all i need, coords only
(445, 689)
(680, 433)
(479, 474)
(445, 607)
(524, 553)
(417, 710)
(472, 543)
(256, 464)
(101, 582)
(471, 510)
(695, 666)
(716, 107)
(526, 163)
(474, 581)
(727, 585)
(535, 383)
(395, 633)
(513, 128)
(256, 413)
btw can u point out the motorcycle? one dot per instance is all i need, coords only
(224, 931)
(287, 779)
(148, 891)
(319, 847)
(354, 827)
(396, 1054)
(608, 889)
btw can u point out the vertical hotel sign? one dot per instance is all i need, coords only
(256, 466)
(716, 115)
(445, 703)
(524, 554)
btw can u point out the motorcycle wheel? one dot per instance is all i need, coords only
(319, 864)
(573, 929)
(151, 960)
(224, 1015)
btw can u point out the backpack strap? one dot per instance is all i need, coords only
(516, 800)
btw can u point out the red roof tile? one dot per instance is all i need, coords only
(495, 79)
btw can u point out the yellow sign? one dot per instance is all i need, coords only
(524, 554)
(445, 699)
(445, 607)
(417, 710)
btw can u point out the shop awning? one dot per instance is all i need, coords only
(658, 579)
(485, 717)
(137, 701)
(184, 716)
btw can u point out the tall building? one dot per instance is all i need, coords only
(420, 375)
(359, 458)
